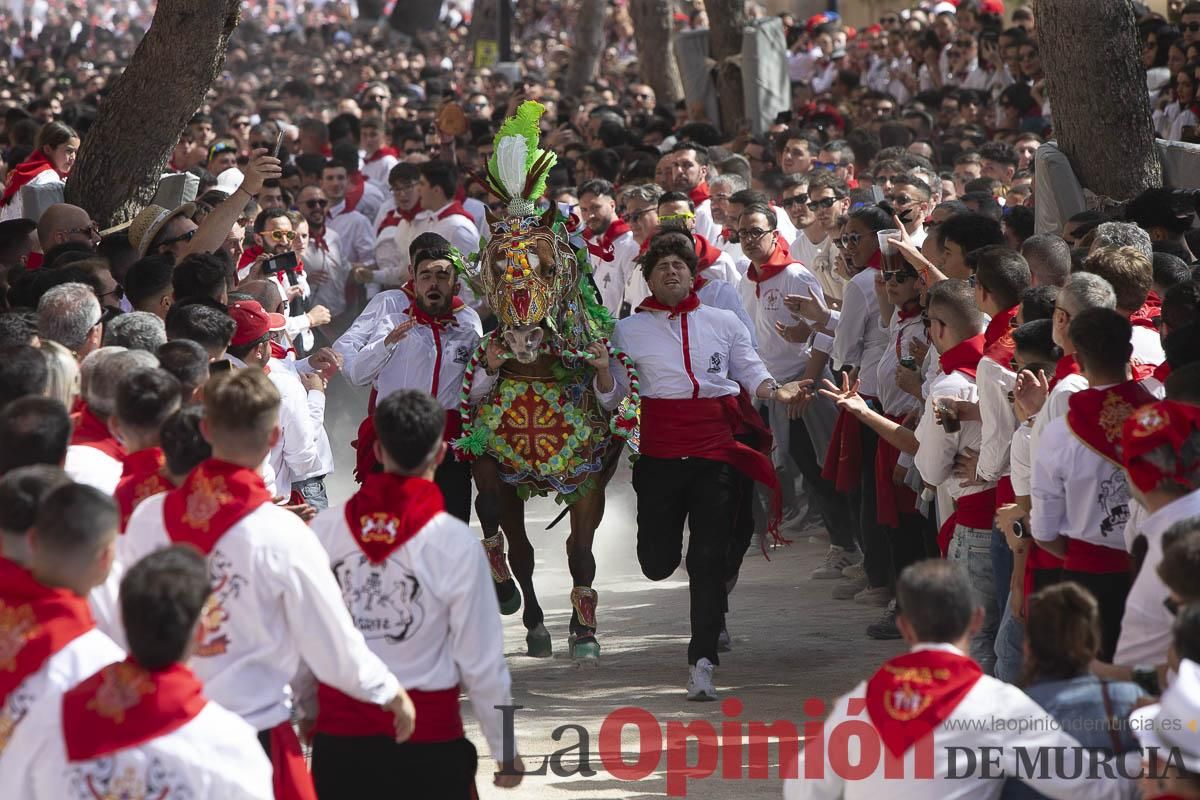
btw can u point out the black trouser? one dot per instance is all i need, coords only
(712, 498)
(877, 551)
(453, 477)
(1110, 590)
(358, 767)
(910, 542)
(833, 508)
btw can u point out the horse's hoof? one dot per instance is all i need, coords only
(537, 642)
(583, 650)
(509, 596)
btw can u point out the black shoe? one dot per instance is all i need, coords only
(885, 628)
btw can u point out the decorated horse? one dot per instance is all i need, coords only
(540, 430)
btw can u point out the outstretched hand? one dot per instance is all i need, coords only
(846, 396)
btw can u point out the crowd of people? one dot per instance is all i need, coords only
(996, 427)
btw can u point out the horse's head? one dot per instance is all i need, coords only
(527, 269)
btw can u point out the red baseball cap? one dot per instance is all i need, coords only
(253, 322)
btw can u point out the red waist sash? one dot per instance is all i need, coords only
(290, 777)
(972, 511)
(438, 718)
(1094, 558)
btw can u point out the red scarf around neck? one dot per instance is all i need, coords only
(913, 694)
(36, 621)
(1144, 317)
(700, 193)
(91, 431)
(998, 343)
(356, 185)
(389, 510)
(141, 477)
(1065, 367)
(455, 209)
(382, 152)
(705, 252)
(685, 306)
(125, 705)
(602, 248)
(415, 311)
(396, 215)
(963, 357)
(1095, 416)
(214, 498)
(23, 173)
(779, 261)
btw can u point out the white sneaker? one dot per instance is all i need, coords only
(700, 681)
(855, 571)
(836, 560)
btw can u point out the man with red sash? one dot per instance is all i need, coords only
(930, 705)
(1080, 496)
(95, 455)
(48, 637)
(956, 330)
(1159, 445)
(1131, 273)
(141, 726)
(610, 243)
(274, 602)
(1001, 277)
(435, 623)
(145, 398)
(689, 164)
(420, 337)
(772, 276)
(693, 363)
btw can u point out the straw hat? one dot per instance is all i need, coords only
(150, 221)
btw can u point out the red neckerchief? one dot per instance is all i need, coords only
(249, 255)
(1095, 416)
(1162, 372)
(356, 184)
(779, 261)
(685, 306)
(141, 477)
(34, 261)
(441, 321)
(90, 431)
(705, 252)
(214, 498)
(700, 193)
(1144, 317)
(318, 239)
(389, 510)
(602, 248)
(998, 343)
(875, 261)
(909, 310)
(396, 215)
(36, 621)
(913, 694)
(125, 705)
(963, 357)
(726, 233)
(279, 351)
(699, 283)
(382, 152)
(1065, 367)
(23, 173)
(455, 208)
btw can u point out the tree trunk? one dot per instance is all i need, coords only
(653, 27)
(1097, 93)
(589, 44)
(726, 22)
(124, 152)
(485, 26)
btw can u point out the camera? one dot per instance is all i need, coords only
(284, 262)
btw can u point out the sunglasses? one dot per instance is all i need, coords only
(827, 165)
(634, 216)
(850, 239)
(187, 237)
(899, 275)
(316, 203)
(900, 200)
(242, 123)
(282, 236)
(91, 229)
(794, 200)
(817, 205)
(684, 217)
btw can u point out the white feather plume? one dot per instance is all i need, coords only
(510, 164)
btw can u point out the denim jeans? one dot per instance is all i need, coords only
(972, 548)
(1010, 647)
(313, 492)
(1002, 566)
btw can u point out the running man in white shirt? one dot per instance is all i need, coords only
(419, 588)
(142, 726)
(275, 603)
